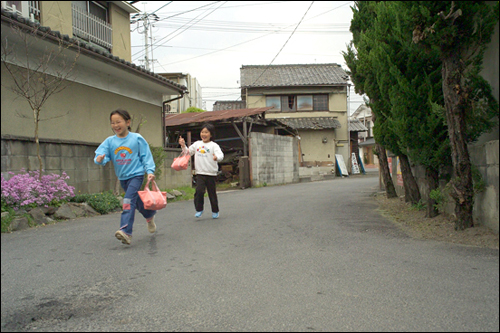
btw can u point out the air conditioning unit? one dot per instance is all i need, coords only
(167, 108)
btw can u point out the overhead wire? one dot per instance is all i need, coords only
(250, 40)
(267, 67)
(180, 27)
(228, 22)
(189, 27)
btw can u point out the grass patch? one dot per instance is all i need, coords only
(188, 190)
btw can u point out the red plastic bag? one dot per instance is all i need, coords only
(181, 162)
(153, 200)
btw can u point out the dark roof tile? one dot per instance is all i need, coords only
(292, 75)
(315, 123)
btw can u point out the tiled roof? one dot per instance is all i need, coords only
(315, 123)
(292, 75)
(356, 126)
(190, 118)
(14, 18)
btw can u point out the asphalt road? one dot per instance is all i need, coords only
(303, 257)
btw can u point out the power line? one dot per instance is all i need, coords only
(181, 27)
(267, 67)
(250, 40)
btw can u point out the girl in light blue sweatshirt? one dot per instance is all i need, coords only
(131, 158)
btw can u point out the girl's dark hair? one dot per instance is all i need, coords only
(210, 128)
(123, 113)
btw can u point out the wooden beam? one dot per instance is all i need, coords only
(238, 131)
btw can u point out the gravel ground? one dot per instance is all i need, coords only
(441, 228)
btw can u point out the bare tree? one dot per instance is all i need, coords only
(40, 66)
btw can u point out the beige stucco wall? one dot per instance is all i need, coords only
(57, 15)
(87, 119)
(120, 21)
(314, 149)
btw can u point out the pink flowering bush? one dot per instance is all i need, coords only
(26, 190)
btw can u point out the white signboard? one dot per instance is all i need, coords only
(355, 167)
(341, 165)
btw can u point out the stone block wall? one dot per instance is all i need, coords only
(486, 158)
(273, 159)
(77, 160)
(486, 208)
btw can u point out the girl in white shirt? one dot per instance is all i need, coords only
(206, 156)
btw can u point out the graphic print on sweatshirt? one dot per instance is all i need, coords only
(203, 151)
(123, 158)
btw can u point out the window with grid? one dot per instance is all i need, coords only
(320, 103)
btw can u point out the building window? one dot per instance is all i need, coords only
(320, 103)
(94, 8)
(304, 103)
(275, 102)
(292, 103)
(288, 103)
(28, 9)
(90, 22)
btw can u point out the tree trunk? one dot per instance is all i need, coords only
(454, 100)
(37, 142)
(412, 193)
(432, 176)
(390, 190)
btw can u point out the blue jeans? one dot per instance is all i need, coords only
(131, 201)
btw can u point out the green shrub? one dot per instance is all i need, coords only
(159, 156)
(103, 203)
(8, 219)
(192, 109)
(421, 205)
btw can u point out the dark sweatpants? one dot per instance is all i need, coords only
(205, 182)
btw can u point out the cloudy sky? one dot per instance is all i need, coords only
(211, 40)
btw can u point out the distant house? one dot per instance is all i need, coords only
(366, 141)
(103, 80)
(228, 105)
(193, 97)
(355, 128)
(311, 99)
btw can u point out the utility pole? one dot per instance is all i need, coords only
(146, 45)
(146, 24)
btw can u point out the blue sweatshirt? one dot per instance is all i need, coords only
(131, 155)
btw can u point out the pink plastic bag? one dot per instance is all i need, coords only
(153, 200)
(181, 162)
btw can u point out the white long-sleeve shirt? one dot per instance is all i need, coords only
(204, 157)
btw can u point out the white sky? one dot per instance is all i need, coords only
(211, 43)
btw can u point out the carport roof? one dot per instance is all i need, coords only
(178, 119)
(315, 123)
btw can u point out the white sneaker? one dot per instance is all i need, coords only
(151, 225)
(126, 239)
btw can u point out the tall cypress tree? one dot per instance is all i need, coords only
(412, 86)
(460, 32)
(360, 62)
